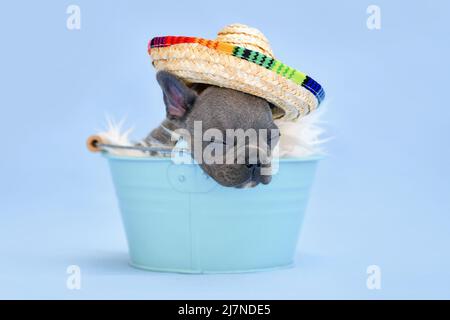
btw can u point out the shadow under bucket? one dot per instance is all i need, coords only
(177, 219)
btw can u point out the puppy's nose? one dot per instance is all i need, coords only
(255, 169)
(257, 176)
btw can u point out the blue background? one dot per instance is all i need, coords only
(381, 197)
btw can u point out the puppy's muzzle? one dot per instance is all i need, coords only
(258, 161)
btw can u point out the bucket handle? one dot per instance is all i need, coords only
(96, 143)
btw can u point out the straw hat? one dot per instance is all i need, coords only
(241, 59)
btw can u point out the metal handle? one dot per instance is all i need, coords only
(95, 143)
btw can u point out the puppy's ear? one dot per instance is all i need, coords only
(178, 98)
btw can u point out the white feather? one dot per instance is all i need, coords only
(116, 135)
(302, 138)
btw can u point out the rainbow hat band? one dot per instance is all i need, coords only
(240, 59)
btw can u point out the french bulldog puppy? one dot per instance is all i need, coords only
(221, 109)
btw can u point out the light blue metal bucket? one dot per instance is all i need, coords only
(177, 219)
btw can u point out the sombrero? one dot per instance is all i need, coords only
(241, 59)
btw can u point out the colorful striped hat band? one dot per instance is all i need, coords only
(242, 61)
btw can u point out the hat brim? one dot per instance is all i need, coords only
(202, 62)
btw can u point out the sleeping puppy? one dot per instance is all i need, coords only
(220, 109)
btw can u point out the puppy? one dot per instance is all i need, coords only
(220, 109)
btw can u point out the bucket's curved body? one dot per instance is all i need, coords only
(177, 219)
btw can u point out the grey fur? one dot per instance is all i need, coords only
(218, 108)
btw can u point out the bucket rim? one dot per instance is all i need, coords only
(164, 159)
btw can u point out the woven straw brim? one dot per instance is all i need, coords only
(196, 63)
